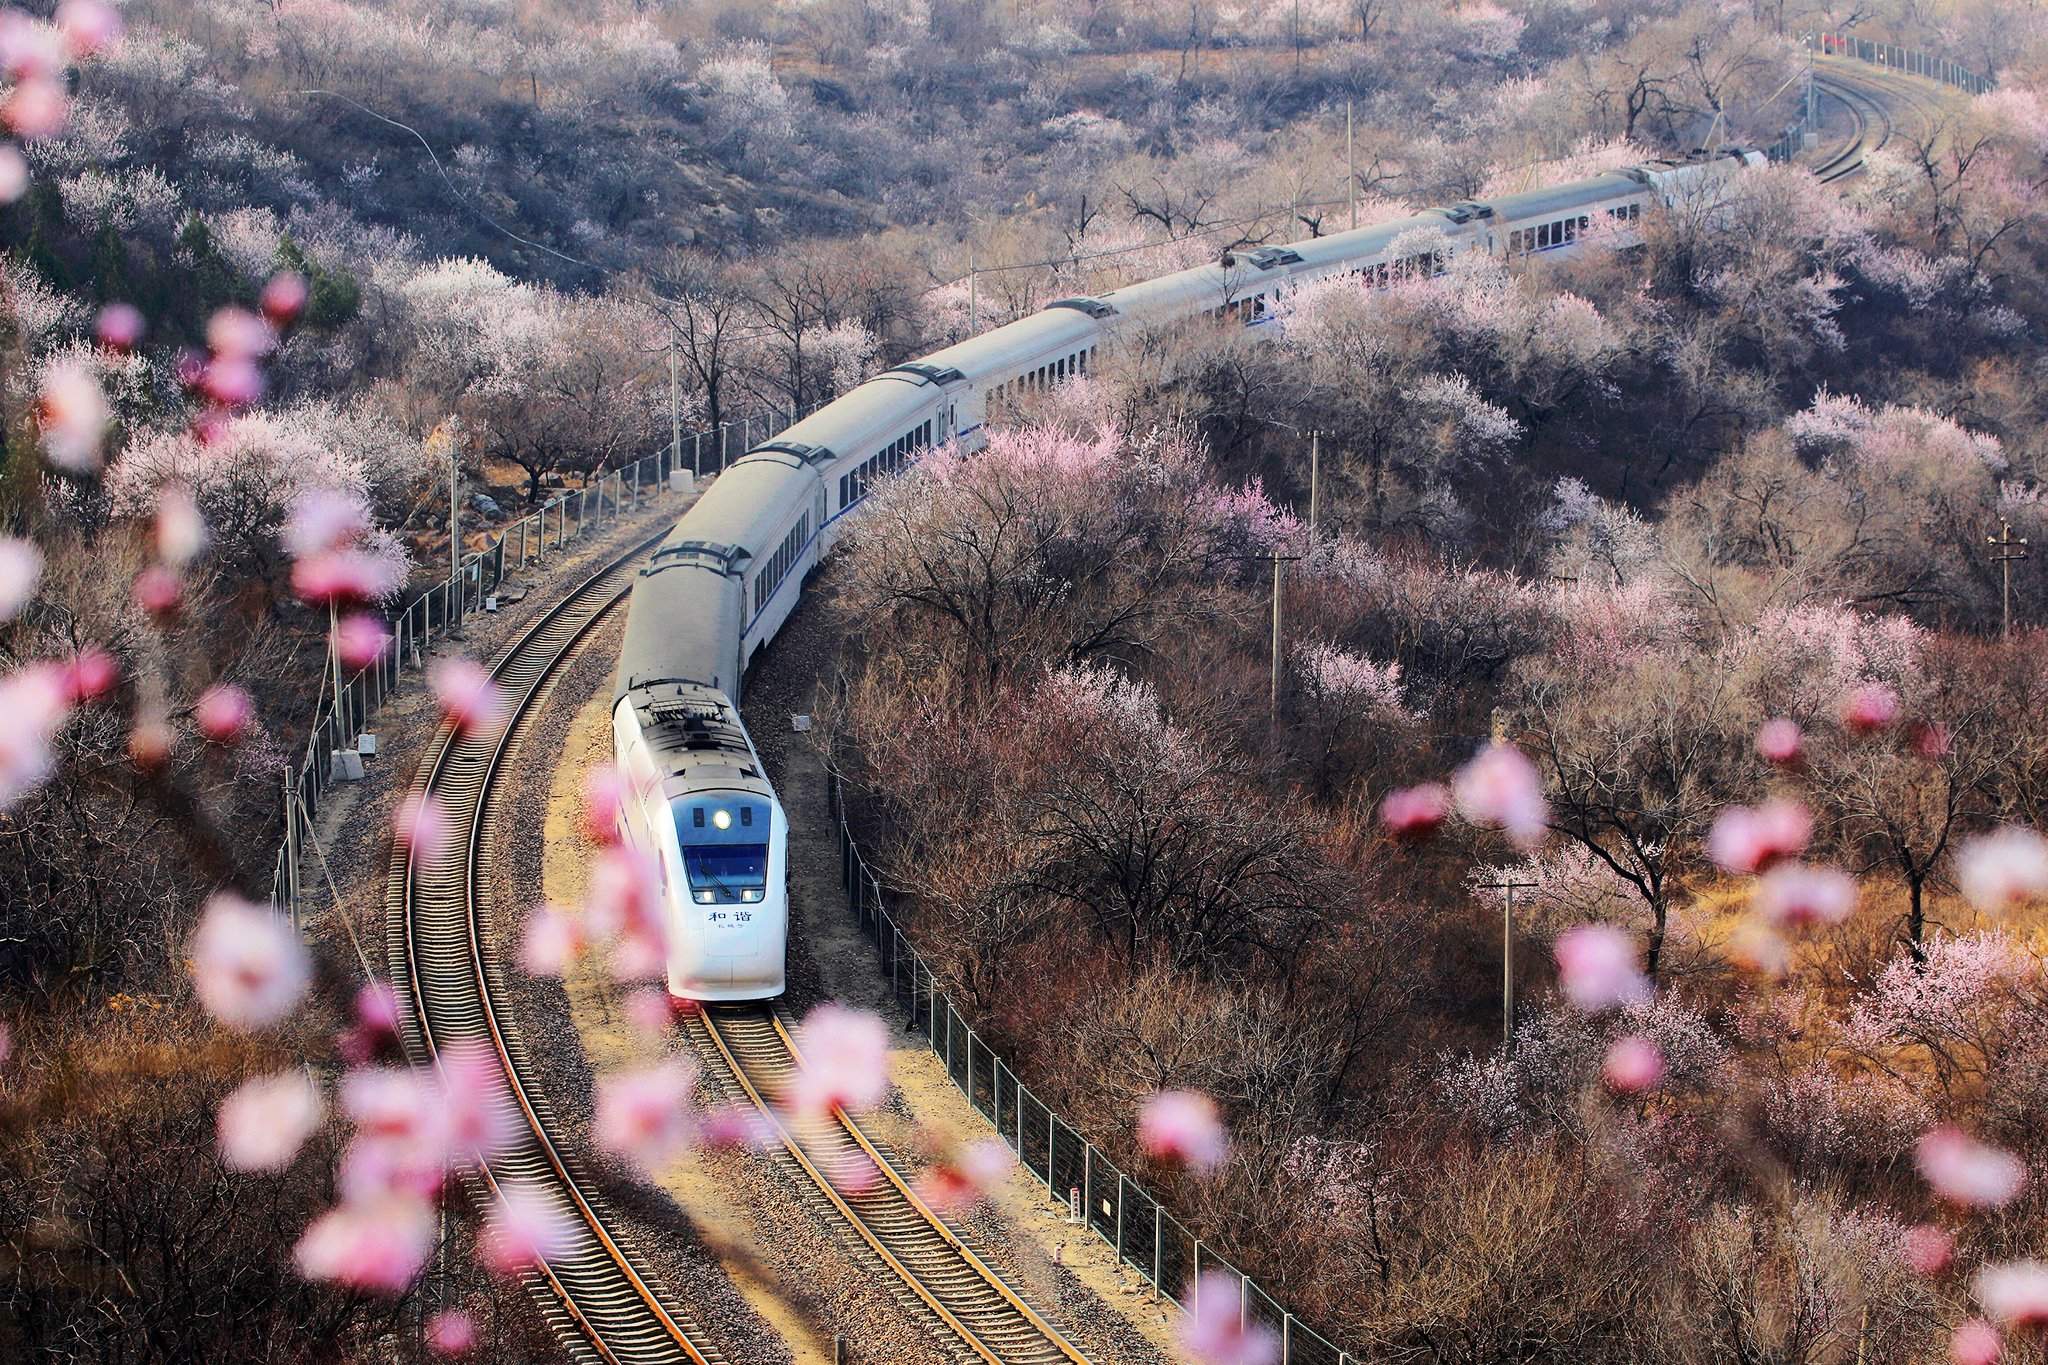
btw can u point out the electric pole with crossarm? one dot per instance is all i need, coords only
(2007, 550)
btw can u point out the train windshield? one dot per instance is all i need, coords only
(724, 840)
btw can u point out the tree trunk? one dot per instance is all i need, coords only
(1656, 946)
(1916, 918)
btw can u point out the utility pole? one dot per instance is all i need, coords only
(1279, 561)
(334, 654)
(460, 594)
(2007, 550)
(675, 399)
(1507, 887)
(1315, 470)
(1350, 165)
(973, 294)
(1297, 39)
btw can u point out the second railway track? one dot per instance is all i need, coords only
(598, 1295)
(941, 1279)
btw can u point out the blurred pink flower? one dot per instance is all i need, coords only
(1501, 787)
(35, 699)
(72, 413)
(120, 327)
(159, 591)
(375, 1168)
(13, 173)
(180, 529)
(451, 1333)
(90, 675)
(1928, 1249)
(649, 1012)
(248, 964)
(524, 1228)
(223, 713)
(552, 941)
(1870, 708)
(377, 1246)
(421, 825)
(376, 1026)
(1596, 965)
(6, 1044)
(27, 48)
(1632, 1066)
(1931, 739)
(845, 1061)
(1415, 812)
(479, 1113)
(2015, 1294)
(645, 1116)
(1755, 946)
(322, 520)
(469, 699)
(965, 1176)
(37, 109)
(736, 1125)
(1745, 841)
(21, 568)
(1183, 1126)
(2003, 870)
(397, 1104)
(361, 639)
(1967, 1172)
(232, 381)
(88, 26)
(603, 795)
(1214, 1331)
(283, 299)
(1801, 896)
(624, 906)
(1975, 1342)
(268, 1118)
(1779, 741)
(850, 1171)
(149, 743)
(237, 333)
(345, 576)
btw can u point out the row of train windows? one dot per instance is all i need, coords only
(854, 485)
(1378, 275)
(1046, 375)
(779, 564)
(1544, 236)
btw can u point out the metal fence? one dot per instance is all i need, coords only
(1911, 61)
(531, 541)
(1078, 1175)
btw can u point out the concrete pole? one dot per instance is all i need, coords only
(334, 655)
(1315, 469)
(455, 529)
(1278, 562)
(1350, 167)
(973, 294)
(675, 398)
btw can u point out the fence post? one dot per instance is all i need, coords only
(1052, 1134)
(1158, 1247)
(291, 851)
(1121, 1181)
(636, 486)
(1195, 1280)
(1286, 1337)
(1017, 1098)
(970, 1069)
(1087, 1183)
(1244, 1302)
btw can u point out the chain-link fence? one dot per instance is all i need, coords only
(529, 542)
(1910, 61)
(1077, 1174)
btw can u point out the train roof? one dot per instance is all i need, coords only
(695, 737)
(1558, 199)
(691, 628)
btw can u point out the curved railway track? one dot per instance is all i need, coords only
(1871, 123)
(598, 1295)
(940, 1278)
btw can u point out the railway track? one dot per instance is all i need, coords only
(598, 1295)
(940, 1278)
(1882, 104)
(1872, 128)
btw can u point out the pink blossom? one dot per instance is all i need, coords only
(421, 825)
(844, 1056)
(1801, 896)
(603, 795)
(232, 381)
(180, 530)
(284, 298)
(34, 702)
(965, 1176)
(237, 333)
(361, 639)
(223, 713)
(649, 1013)
(376, 1027)
(248, 964)
(736, 1125)
(625, 907)
(322, 521)
(27, 48)
(1502, 787)
(1870, 708)
(1975, 1342)
(90, 675)
(1633, 1065)
(120, 327)
(644, 1117)
(72, 413)
(1928, 1249)
(1931, 739)
(268, 1118)
(88, 26)
(345, 576)
(1596, 965)
(525, 1228)
(21, 568)
(159, 591)
(469, 698)
(1214, 1332)
(2003, 870)
(13, 173)
(6, 1043)
(1744, 840)
(37, 109)
(478, 1111)
(1415, 812)
(451, 1333)
(851, 1172)
(374, 1168)
(2015, 1294)
(377, 1246)
(397, 1104)
(552, 941)
(1182, 1126)
(1757, 947)
(1967, 1172)
(149, 743)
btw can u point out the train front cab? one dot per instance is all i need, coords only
(730, 907)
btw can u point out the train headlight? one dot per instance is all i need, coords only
(750, 894)
(722, 819)
(704, 897)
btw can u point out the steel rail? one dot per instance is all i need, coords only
(600, 1301)
(755, 1051)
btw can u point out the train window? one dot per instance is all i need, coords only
(1542, 236)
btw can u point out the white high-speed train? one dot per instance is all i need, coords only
(727, 577)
